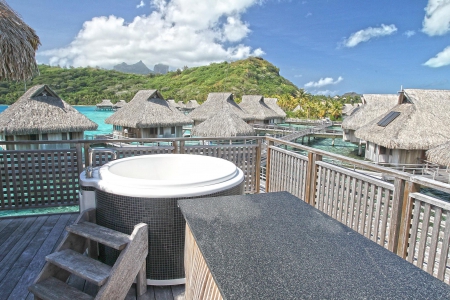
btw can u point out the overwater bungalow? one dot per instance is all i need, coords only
(106, 104)
(373, 105)
(254, 105)
(119, 104)
(214, 103)
(148, 115)
(224, 123)
(272, 103)
(440, 155)
(403, 134)
(40, 115)
(190, 106)
(174, 104)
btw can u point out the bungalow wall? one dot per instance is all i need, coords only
(348, 135)
(381, 154)
(63, 136)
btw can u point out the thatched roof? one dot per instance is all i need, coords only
(173, 103)
(105, 103)
(120, 104)
(192, 104)
(148, 109)
(423, 122)
(224, 123)
(440, 155)
(18, 44)
(254, 105)
(272, 103)
(215, 103)
(41, 110)
(376, 105)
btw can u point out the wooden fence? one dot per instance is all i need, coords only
(394, 215)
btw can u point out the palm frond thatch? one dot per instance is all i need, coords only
(192, 104)
(148, 109)
(375, 105)
(272, 103)
(216, 102)
(18, 44)
(41, 110)
(440, 155)
(423, 122)
(120, 104)
(224, 123)
(254, 105)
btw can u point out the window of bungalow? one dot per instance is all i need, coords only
(70, 135)
(172, 130)
(153, 130)
(161, 130)
(64, 136)
(266, 121)
(34, 137)
(44, 137)
(384, 150)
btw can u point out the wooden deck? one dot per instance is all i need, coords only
(24, 243)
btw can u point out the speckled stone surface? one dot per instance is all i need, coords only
(275, 246)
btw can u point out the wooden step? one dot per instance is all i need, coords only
(103, 235)
(54, 289)
(80, 265)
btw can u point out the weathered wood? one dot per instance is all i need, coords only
(80, 265)
(103, 235)
(52, 288)
(397, 204)
(423, 235)
(163, 293)
(127, 265)
(141, 280)
(405, 227)
(414, 231)
(443, 259)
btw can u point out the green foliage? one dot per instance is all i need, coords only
(88, 86)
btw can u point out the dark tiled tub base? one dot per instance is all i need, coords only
(166, 228)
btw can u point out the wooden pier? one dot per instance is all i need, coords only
(24, 243)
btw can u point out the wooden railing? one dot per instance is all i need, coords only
(395, 215)
(46, 178)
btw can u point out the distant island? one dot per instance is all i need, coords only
(141, 68)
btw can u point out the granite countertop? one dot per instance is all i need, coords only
(275, 246)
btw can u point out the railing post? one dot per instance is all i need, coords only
(405, 227)
(258, 167)
(181, 149)
(311, 176)
(397, 205)
(270, 143)
(86, 155)
(79, 158)
(176, 150)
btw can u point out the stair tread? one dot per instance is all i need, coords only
(103, 235)
(80, 265)
(54, 289)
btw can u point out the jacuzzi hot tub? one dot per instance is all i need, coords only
(145, 189)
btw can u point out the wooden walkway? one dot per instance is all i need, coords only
(24, 243)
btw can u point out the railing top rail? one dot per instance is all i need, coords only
(368, 165)
(431, 200)
(129, 140)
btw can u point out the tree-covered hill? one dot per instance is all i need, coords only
(90, 85)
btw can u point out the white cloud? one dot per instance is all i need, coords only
(369, 33)
(309, 14)
(176, 32)
(440, 60)
(142, 4)
(325, 93)
(323, 82)
(409, 33)
(298, 75)
(437, 17)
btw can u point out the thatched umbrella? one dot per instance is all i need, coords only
(148, 109)
(41, 110)
(254, 105)
(375, 105)
(217, 102)
(18, 44)
(440, 155)
(272, 103)
(224, 123)
(423, 122)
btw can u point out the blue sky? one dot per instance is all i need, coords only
(324, 46)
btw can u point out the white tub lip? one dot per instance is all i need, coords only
(106, 181)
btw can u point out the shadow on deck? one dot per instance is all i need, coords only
(24, 243)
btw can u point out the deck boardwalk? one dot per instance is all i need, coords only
(24, 243)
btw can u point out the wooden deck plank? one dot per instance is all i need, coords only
(18, 243)
(15, 237)
(4, 223)
(178, 292)
(163, 293)
(34, 267)
(9, 230)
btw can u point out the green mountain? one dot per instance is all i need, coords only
(90, 85)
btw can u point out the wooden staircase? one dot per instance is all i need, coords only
(113, 282)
